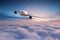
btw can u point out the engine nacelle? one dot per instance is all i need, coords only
(15, 12)
(30, 17)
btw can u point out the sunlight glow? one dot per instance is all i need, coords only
(26, 12)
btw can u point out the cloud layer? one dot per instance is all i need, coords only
(4, 16)
(19, 30)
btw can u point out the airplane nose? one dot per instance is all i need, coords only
(15, 12)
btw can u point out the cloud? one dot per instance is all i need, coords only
(3, 16)
(58, 13)
(27, 31)
(56, 16)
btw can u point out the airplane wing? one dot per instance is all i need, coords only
(43, 17)
(38, 17)
(16, 12)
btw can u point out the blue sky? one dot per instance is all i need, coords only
(42, 8)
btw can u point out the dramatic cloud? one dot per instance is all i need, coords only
(58, 13)
(3, 16)
(25, 30)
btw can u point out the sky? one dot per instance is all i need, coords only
(41, 8)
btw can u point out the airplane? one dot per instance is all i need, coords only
(25, 13)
